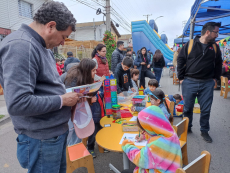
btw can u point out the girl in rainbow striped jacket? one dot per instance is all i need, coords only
(162, 154)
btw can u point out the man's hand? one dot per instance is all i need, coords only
(110, 72)
(143, 63)
(148, 66)
(102, 78)
(70, 99)
(94, 99)
(133, 90)
(181, 81)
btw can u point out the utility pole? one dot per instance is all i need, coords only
(148, 16)
(108, 20)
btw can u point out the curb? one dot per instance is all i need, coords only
(5, 120)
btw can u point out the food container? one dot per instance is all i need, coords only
(116, 112)
(126, 99)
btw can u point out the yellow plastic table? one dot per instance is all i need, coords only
(110, 137)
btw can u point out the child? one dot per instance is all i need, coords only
(134, 78)
(58, 67)
(157, 98)
(62, 65)
(122, 74)
(153, 84)
(176, 98)
(162, 152)
(79, 75)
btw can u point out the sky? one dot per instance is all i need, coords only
(174, 12)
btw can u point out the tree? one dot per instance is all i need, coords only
(111, 45)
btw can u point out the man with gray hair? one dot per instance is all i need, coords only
(35, 96)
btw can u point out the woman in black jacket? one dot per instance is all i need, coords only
(158, 64)
(143, 65)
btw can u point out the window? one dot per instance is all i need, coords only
(25, 9)
(100, 32)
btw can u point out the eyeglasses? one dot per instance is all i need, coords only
(217, 32)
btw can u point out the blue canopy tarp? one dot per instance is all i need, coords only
(209, 11)
(186, 39)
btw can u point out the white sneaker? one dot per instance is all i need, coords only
(160, 86)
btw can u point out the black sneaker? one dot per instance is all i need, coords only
(92, 153)
(189, 130)
(206, 137)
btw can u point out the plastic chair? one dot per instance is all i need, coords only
(182, 130)
(175, 79)
(78, 156)
(225, 88)
(170, 105)
(199, 165)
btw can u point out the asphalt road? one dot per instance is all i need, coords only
(219, 149)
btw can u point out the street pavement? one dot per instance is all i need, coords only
(219, 149)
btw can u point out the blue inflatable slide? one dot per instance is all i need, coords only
(146, 35)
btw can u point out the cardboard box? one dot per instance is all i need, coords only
(130, 126)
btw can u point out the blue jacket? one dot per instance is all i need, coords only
(138, 61)
(96, 109)
(147, 91)
(70, 60)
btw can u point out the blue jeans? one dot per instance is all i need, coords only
(91, 139)
(72, 138)
(203, 90)
(158, 72)
(42, 156)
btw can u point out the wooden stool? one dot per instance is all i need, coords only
(78, 156)
(182, 130)
(175, 79)
(1, 90)
(171, 107)
(225, 88)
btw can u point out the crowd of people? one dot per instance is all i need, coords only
(40, 108)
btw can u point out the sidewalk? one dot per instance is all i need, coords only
(3, 110)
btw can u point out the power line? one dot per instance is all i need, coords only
(121, 20)
(120, 11)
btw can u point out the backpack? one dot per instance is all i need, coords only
(191, 45)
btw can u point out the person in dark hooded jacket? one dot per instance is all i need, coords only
(117, 56)
(70, 59)
(198, 71)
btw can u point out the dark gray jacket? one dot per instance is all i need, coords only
(117, 58)
(32, 86)
(70, 60)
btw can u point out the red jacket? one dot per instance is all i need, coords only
(103, 69)
(59, 69)
(62, 66)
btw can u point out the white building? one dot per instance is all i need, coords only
(15, 12)
(92, 31)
